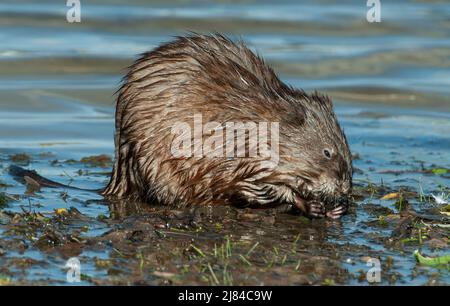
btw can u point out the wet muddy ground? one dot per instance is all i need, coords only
(393, 214)
(390, 85)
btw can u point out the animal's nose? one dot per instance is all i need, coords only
(339, 201)
(342, 201)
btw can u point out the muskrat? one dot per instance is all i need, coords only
(224, 82)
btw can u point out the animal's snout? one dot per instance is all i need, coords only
(342, 201)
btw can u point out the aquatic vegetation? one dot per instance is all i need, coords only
(21, 158)
(439, 171)
(5, 280)
(432, 261)
(102, 161)
(61, 211)
(4, 200)
(392, 195)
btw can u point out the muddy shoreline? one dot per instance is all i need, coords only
(134, 243)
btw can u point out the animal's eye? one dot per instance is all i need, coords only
(327, 153)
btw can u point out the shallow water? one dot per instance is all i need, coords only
(389, 81)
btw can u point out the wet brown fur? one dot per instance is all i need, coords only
(224, 81)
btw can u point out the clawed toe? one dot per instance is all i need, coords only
(336, 213)
(316, 210)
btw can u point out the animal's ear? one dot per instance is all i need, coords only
(296, 115)
(322, 100)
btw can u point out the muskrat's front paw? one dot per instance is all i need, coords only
(316, 209)
(337, 212)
